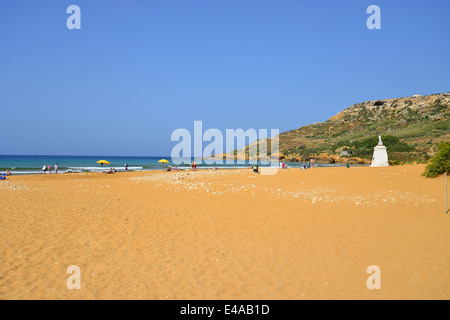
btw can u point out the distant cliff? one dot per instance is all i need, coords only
(411, 127)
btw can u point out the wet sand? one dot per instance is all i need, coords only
(227, 234)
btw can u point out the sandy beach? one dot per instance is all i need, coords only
(226, 234)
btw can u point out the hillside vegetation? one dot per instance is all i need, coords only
(440, 163)
(410, 127)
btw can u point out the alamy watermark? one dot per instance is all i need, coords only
(374, 281)
(74, 281)
(374, 21)
(74, 20)
(236, 146)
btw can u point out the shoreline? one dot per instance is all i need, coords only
(37, 172)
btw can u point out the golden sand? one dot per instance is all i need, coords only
(227, 234)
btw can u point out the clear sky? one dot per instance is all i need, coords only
(139, 69)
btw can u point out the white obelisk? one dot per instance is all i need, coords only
(380, 157)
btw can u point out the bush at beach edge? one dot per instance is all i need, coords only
(440, 163)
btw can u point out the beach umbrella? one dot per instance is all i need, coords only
(102, 162)
(162, 161)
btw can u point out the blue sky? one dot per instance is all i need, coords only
(137, 70)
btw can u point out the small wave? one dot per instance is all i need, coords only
(25, 172)
(105, 168)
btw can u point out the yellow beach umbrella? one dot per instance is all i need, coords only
(102, 162)
(162, 161)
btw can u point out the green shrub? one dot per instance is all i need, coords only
(440, 163)
(442, 126)
(364, 148)
(394, 162)
(438, 106)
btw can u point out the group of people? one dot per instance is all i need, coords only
(310, 164)
(112, 170)
(48, 168)
(283, 165)
(193, 165)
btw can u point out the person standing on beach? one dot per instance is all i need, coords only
(44, 169)
(56, 168)
(49, 169)
(126, 166)
(195, 165)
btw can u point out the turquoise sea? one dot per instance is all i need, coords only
(32, 164)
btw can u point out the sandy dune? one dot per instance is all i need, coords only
(230, 234)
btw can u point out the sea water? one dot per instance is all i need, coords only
(32, 164)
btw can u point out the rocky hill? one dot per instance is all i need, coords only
(411, 128)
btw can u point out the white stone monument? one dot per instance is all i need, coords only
(380, 157)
